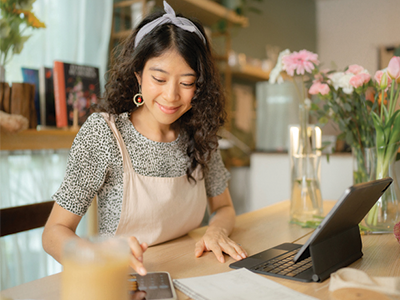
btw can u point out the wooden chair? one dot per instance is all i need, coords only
(22, 218)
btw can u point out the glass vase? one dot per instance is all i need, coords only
(305, 156)
(377, 163)
(364, 164)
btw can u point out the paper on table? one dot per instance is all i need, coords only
(239, 284)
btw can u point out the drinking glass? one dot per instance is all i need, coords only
(95, 268)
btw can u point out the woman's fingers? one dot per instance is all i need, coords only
(137, 255)
(199, 248)
(217, 250)
(239, 249)
(220, 246)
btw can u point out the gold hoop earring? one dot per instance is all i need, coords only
(138, 98)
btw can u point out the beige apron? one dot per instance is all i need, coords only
(157, 209)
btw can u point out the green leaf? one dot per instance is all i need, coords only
(380, 135)
(4, 29)
(395, 133)
(349, 137)
(386, 113)
(347, 106)
(20, 44)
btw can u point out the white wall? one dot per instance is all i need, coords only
(351, 31)
(270, 178)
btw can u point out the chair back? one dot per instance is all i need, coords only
(22, 218)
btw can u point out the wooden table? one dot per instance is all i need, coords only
(256, 231)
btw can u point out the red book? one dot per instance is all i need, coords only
(59, 94)
(76, 89)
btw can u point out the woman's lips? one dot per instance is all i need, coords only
(166, 109)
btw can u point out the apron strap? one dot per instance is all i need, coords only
(126, 159)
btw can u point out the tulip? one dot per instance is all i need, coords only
(382, 79)
(393, 68)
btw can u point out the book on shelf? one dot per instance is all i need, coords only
(46, 95)
(76, 89)
(32, 76)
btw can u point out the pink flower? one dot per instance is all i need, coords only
(393, 68)
(396, 231)
(300, 62)
(319, 88)
(355, 69)
(386, 79)
(359, 79)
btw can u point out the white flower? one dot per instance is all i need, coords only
(275, 75)
(342, 80)
(307, 103)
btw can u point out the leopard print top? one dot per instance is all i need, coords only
(95, 168)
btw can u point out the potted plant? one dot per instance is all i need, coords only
(16, 17)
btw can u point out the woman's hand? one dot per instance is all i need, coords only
(137, 255)
(216, 238)
(217, 241)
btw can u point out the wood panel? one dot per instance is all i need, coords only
(37, 139)
(26, 217)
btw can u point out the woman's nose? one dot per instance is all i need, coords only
(171, 92)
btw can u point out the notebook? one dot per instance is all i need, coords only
(334, 244)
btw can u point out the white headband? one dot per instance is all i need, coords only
(168, 17)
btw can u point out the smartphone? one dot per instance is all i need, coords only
(156, 285)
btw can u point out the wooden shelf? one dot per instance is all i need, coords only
(33, 139)
(248, 72)
(207, 11)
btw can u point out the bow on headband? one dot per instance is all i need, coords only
(168, 17)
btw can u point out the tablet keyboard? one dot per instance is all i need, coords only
(284, 265)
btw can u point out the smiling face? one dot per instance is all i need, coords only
(168, 86)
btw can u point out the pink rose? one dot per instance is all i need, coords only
(396, 231)
(319, 88)
(359, 79)
(355, 69)
(393, 68)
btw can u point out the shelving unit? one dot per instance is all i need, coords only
(207, 11)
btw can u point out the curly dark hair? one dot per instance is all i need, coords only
(202, 122)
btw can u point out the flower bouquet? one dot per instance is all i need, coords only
(346, 97)
(386, 212)
(16, 17)
(306, 200)
(367, 113)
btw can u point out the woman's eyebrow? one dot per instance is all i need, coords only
(165, 72)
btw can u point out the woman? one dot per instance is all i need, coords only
(151, 155)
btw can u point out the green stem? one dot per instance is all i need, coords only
(394, 102)
(382, 103)
(391, 101)
(301, 99)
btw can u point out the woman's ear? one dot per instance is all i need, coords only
(138, 78)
